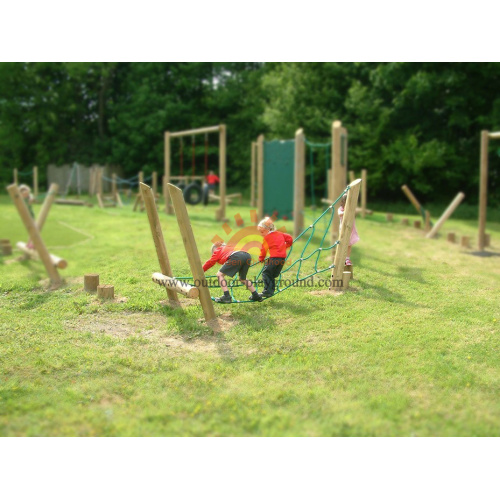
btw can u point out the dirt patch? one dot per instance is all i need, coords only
(326, 292)
(222, 323)
(150, 326)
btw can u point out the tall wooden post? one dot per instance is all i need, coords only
(363, 193)
(345, 232)
(113, 186)
(34, 234)
(15, 176)
(166, 176)
(154, 224)
(338, 178)
(35, 181)
(221, 213)
(446, 215)
(299, 182)
(155, 184)
(253, 173)
(44, 211)
(260, 176)
(192, 252)
(483, 187)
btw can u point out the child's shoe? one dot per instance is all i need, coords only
(223, 300)
(255, 297)
(348, 261)
(266, 295)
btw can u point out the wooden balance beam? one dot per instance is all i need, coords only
(58, 262)
(189, 291)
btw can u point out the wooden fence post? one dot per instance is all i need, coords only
(446, 215)
(299, 183)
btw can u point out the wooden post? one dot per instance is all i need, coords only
(388, 217)
(34, 234)
(221, 213)
(405, 222)
(427, 220)
(192, 252)
(156, 232)
(483, 187)
(58, 262)
(35, 181)
(451, 237)
(465, 241)
(155, 184)
(106, 291)
(99, 187)
(363, 193)
(446, 215)
(166, 176)
(47, 203)
(260, 176)
(15, 176)
(345, 232)
(339, 169)
(253, 172)
(413, 200)
(191, 292)
(6, 247)
(299, 183)
(346, 277)
(91, 282)
(417, 224)
(352, 178)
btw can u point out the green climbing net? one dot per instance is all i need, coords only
(295, 268)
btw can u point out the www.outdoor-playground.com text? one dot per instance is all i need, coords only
(283, 283)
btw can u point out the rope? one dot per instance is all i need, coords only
(329, 214)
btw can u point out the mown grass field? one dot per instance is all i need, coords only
(411, 350)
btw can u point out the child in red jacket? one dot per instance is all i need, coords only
(233, 262)
(277, 243)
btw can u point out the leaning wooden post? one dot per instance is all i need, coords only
(253, 172)
(15, 176)
(154, 224)
(221, 213)
(99, 187)
(345, 233)
(260, 176)
(363, 193)
(35, 181)
(169, 209)
(413, 200)
(44, 212)
(427, 220)
(154, 184)
(34, 234)
(299, 183)
(193, 256)
(446, 215)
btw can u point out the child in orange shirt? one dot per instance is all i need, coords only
(277, 244)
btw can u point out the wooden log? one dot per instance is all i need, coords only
(35, 182)
(204, 130)
(346, 230)
(326, 201)
(346, 277)
(405, 222)
(156, 232)
(359, 210)
(90, 282)
(34, 234)
(413, 200)
(299, 183)
(389, 217)
(181, 287)
(417, 224)
(446, 215)
(427, 220)
(47, 203)
(465, 242)
(192, 251)
(58, 262)
(349, 269)
(106, 291)
(6, 248)
(60, 201)
(451, 237)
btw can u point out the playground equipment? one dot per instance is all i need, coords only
(51, 262)
(105, 201)
(34, 174)
(199, 286)
(278, 176)
(361, 210)
(139, 200)
(483, 185)
(192, 185)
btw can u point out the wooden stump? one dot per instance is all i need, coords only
(106, 291)
(388, 217)
(349, 269)
(417, 224)
(6, 248)
(465, 241)
(346, 276)
(487, 240)
(91, 282)
(451, 237)
(3, 242)
(405, 222)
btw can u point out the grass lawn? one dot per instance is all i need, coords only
(413, 349)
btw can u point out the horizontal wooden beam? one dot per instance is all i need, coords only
(204, 130)
(176, 285)
(494, 135)
(58, 262)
